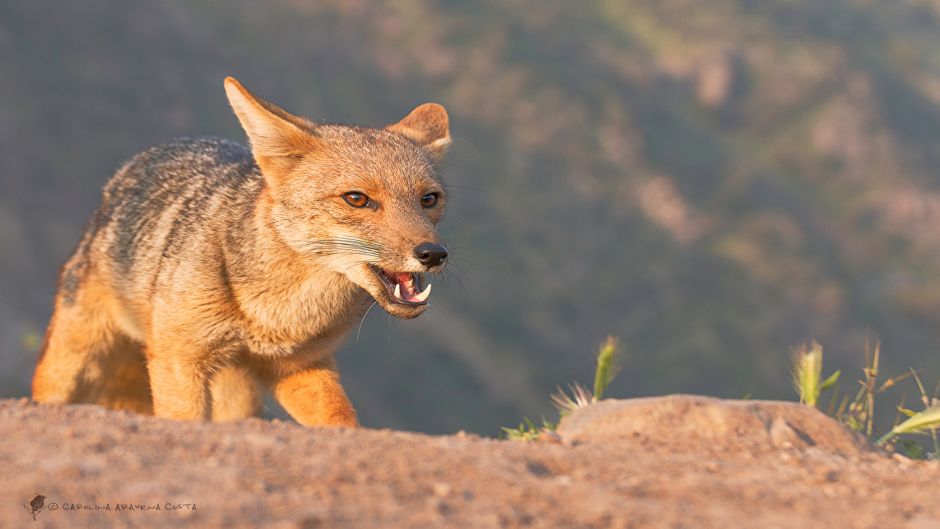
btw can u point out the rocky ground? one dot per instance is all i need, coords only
(674, 462)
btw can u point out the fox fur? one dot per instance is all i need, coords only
(212, 272)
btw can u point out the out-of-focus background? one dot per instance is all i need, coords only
(712, 182)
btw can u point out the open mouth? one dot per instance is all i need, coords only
(404, 288)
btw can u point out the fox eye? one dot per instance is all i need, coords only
(430, 200)
(356, 199)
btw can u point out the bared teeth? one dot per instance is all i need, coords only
(422, 297)
(406, 287)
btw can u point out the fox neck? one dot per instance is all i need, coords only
(287, 298)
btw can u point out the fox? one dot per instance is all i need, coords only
(212, 272)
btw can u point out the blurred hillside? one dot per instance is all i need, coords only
(711, 183)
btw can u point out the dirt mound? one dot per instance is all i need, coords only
(705, 423)
(626, 464)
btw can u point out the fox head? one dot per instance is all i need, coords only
(362, 202)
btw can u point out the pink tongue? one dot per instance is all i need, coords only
(408, 291)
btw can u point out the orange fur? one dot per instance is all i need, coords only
(210, 273)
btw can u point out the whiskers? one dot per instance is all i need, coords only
(349, 252)
(363, 320)
(343, 245)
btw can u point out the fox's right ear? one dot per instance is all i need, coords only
(276, 136)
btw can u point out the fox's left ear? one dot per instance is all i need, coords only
(429, 128)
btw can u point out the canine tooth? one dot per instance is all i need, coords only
(397, 290)
(424, 295)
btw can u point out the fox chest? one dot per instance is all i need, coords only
(316, 316)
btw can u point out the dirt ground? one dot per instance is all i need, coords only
(677, 462)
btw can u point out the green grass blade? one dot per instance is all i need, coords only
(807, 372)
(921, 422)
(608, 365)
(830, 381)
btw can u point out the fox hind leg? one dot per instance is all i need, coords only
(84, 358)
(80, 332)
(125, 384)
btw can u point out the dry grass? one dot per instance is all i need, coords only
(858, 410)
(577, 396)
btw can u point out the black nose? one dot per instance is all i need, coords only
(430, 254)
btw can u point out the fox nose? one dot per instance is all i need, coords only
(430, 254)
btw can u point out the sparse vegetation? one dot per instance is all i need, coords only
(855, 410)
(577, 396)
(858, 411)
(528, 430)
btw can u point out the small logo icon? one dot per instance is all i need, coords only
(35, 505)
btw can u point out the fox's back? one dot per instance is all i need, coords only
(168, 205)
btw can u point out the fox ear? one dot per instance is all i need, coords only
(275, 134)
(429, 128)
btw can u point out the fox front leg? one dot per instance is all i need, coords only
(235, 394)
(313, 396)
(179, 385)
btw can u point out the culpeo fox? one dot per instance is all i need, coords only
(210, 271)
